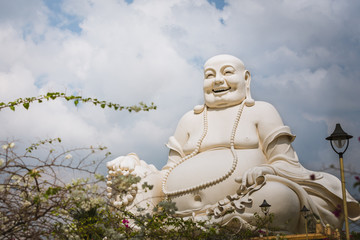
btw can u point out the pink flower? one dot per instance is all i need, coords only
(125, 222)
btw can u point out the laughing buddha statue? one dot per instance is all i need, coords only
(230, 154)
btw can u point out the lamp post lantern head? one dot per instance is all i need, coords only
(339, 137)
(265, 207)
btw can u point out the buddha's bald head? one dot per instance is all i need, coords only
(236, 62)
(225, 81)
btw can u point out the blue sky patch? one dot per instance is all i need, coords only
(61, 19)
(219, 4)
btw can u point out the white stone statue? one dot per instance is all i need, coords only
(230, 154)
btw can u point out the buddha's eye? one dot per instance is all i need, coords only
(209, 74)
(228, 71)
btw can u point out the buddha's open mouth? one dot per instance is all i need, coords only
(220, 90)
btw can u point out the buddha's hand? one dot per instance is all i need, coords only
(123, 165)
(254, 175)
(122, 191)
(123, 178)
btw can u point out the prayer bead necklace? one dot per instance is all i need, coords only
(196, 151)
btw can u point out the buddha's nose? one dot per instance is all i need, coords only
(219, 80)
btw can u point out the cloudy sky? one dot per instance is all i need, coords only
(303, 55)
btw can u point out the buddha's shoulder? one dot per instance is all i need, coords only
(193, 114)
(261, 105)
(264, 112)
(263, 108)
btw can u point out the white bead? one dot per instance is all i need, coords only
(130, 198)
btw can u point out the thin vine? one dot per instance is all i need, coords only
(25, 102)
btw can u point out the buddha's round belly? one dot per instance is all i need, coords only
(209, 166)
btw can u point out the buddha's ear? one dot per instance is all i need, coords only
(247, 75)
(248, 101)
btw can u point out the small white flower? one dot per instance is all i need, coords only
(11, 145)
(26, 203)
(68, 156)
(1, 161)
(118, 204)
(5, 146)
(15, 177)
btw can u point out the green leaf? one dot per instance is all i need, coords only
(76, 102)
(26, 105)
(51, 191)
(36, 199)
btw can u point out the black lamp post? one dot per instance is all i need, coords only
(265, 208)
(304, 211)
(340, 139)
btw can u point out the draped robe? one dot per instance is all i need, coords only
(319, 191)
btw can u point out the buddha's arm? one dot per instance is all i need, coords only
(284, 161)
(276, 141)
(177, 141)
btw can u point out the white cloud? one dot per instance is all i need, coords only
(303, 56)
(19, 81)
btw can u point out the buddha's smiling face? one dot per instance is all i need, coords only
(224, 81)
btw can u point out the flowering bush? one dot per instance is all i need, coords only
(36, 202)
(33, 195)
